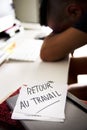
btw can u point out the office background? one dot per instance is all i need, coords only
(27, 10)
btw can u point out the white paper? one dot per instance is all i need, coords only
(41, 101)
(28, 50)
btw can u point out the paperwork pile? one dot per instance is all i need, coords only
(41, 101)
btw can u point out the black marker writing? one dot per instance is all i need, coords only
(24, 104)
(47, 106)
(39, 88)
(43, 98)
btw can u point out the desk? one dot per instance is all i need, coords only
(13, 74)
(76, 119)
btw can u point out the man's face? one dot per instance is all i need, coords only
(60, 23)
(58, 27)
(57, 18)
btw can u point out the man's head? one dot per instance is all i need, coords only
(61, 14)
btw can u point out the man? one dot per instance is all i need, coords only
(68, 20)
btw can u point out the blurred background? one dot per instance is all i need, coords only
(27, 10)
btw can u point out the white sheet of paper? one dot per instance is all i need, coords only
(20, 116)
(28, 50)
(45, 101)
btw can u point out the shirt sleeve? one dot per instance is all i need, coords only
(82, 23)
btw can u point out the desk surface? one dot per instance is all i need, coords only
(13, 74)
(76, 119)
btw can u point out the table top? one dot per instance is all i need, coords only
(15, 73)
(76, 118)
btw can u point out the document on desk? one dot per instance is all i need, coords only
(41, 101)
(26, 50)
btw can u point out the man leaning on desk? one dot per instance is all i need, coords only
(68, 20)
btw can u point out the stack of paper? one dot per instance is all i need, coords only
(41, 101)
(6, 52)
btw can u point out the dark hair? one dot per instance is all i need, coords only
(77, 1)
(45, 4)
(43, 12)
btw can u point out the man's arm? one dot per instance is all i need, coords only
(58, 46)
